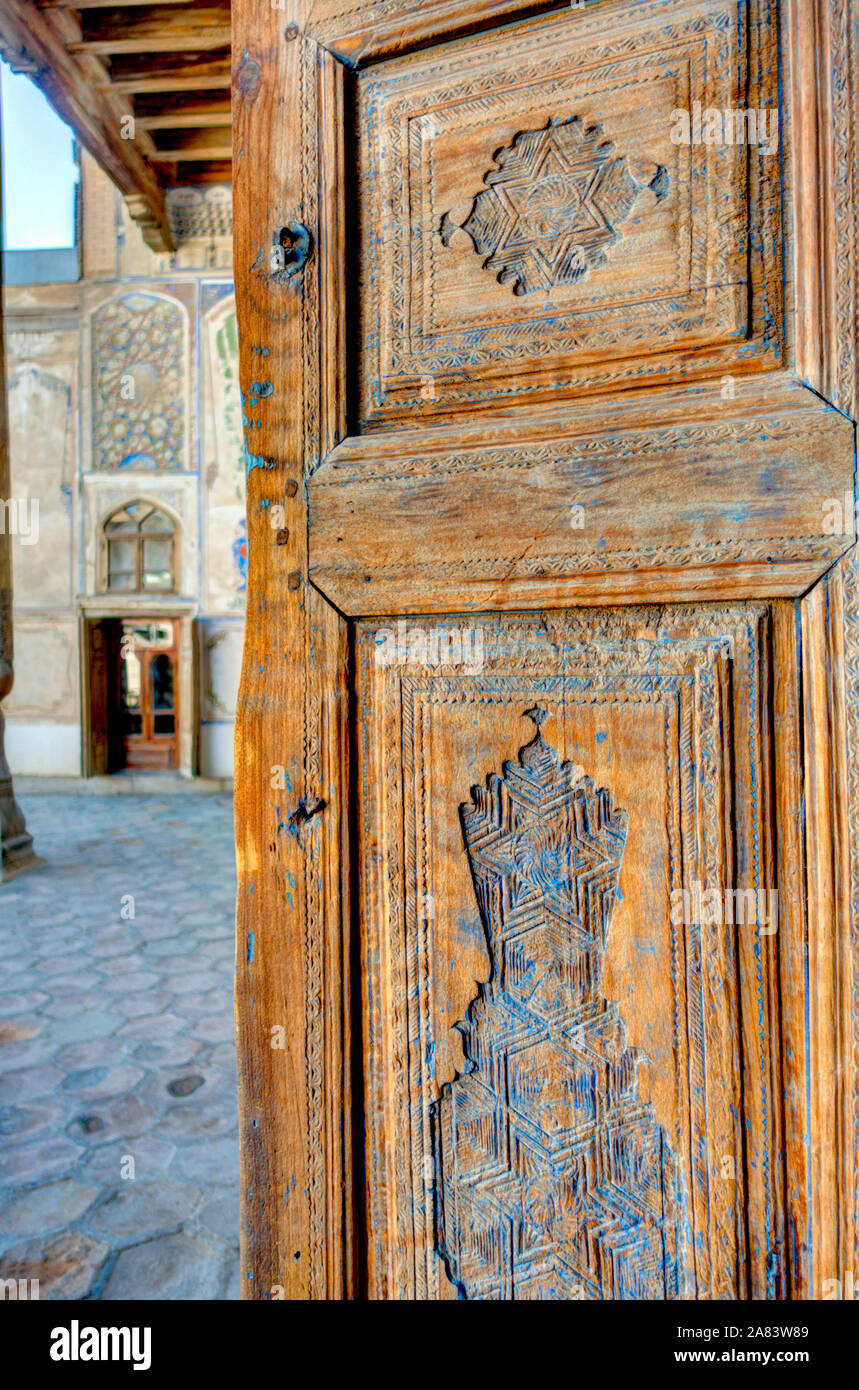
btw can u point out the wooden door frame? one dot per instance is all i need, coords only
(146, 709)
(181, 612)
(297, 967)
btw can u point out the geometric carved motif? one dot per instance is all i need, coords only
(554, 1179)
(550, 209)
(696, 283)
(138, 383)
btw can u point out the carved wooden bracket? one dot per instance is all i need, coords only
(153, 228)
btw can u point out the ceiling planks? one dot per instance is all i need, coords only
(170, 72)
(186, 28)
(144, 86)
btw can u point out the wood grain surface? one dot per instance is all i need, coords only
(535, 424)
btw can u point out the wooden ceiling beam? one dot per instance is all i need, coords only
(210, 107)
(223, 152)
(169, 84)
(165, 72)
(189, 43)
(30, 41)
(198, 171)
(182, 120)
(214, 143)
(100, 4)
(154, 29)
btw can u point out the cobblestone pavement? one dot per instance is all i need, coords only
(118, 1130)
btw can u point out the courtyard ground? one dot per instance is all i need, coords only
(118, 1128)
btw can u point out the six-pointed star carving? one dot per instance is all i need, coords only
(551, 208)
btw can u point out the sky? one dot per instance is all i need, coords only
(39, 169)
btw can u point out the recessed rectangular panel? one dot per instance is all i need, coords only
(555, 1028)
(539, 217)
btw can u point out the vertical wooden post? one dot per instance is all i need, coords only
(16, 844)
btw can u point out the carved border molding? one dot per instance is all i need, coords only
(371, 456)
(844, 70)
(668, 557)
(850, 601)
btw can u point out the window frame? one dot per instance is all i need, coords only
(138, 539)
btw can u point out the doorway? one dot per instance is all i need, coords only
(148, 694)
(132, 693)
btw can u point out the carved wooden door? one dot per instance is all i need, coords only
(544, 743)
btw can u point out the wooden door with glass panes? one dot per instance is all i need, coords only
(148, 694)
(547, 731)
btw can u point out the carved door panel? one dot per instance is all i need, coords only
(578, 1131)
(544, 962)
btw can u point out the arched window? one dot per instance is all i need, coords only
(140, 550)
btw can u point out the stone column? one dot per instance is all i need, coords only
(16, 845)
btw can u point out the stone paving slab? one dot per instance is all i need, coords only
(118, 1127)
